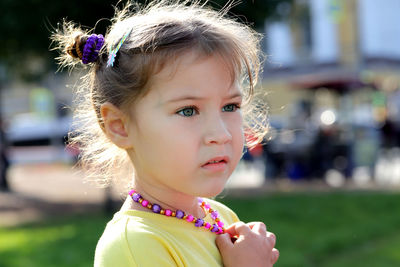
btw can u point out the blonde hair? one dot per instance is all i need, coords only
(159, 33)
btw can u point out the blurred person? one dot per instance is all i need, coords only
(389, 134)
(4, 163)
(164, 102)
(274, 159)
(323, 151)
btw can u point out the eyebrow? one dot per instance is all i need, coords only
(190, 97)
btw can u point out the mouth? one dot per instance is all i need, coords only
(216, 164)
(221, 159)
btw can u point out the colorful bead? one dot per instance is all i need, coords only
(207, 206)
(220, 224)
(207, 225)
(144, 203)
(214, 228)
(131, 192)
(214, 214)
(136, 197)
(168, 212)
(156, 208)
(189, 218)
(199, 223)
(179, 214)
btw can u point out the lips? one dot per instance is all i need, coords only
(216, 165)
(217, 160)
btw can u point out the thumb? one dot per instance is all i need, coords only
(223, 242)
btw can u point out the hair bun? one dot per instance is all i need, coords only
(86, 48)
(76, 48)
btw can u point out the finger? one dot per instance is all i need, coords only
(231, 230)
(271, 239)
(274, 256)
(223, 242)
(242, 229)
(258, 227)
(238, 228)
(252, 224)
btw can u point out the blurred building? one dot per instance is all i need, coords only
(332, 77)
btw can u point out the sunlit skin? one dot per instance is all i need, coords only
(190, 116)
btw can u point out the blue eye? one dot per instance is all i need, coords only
(230, 108)
(187, 112)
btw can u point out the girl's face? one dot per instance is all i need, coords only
(186, 133)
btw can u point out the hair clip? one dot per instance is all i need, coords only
(113, 52)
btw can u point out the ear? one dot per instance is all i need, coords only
(115, 125)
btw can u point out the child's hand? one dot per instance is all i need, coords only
(254, 246)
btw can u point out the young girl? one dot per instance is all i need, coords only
(162, 104)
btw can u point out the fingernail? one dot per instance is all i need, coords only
(273, 237)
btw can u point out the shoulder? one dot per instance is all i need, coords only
(112, 248)
(129, 241)
(228, 215)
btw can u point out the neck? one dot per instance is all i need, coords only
(167, 199)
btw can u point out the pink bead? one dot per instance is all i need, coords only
(207, 206)
(220, 231)
(131, 192)
(207, 225)
(220, 224)
(168, 212)
(189, 218)
(145, 203)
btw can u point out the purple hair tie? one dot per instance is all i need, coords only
(92, 48)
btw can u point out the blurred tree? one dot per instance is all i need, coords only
(25, 26)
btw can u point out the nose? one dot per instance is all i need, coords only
(217, 132)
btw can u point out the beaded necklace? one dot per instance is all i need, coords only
(217, 227)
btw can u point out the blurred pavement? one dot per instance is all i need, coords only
(46, 189)
(40, 190)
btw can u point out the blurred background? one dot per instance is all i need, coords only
(326, 179)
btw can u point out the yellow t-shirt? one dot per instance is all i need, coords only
(139, 238)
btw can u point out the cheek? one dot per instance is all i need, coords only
(240, 140)
(173, 139)
(238, 133)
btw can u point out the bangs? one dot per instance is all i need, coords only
(155, 59)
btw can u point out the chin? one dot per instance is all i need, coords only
(214, 190)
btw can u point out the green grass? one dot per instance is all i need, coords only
(314, 229)
(329, 229)
(60, 242)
